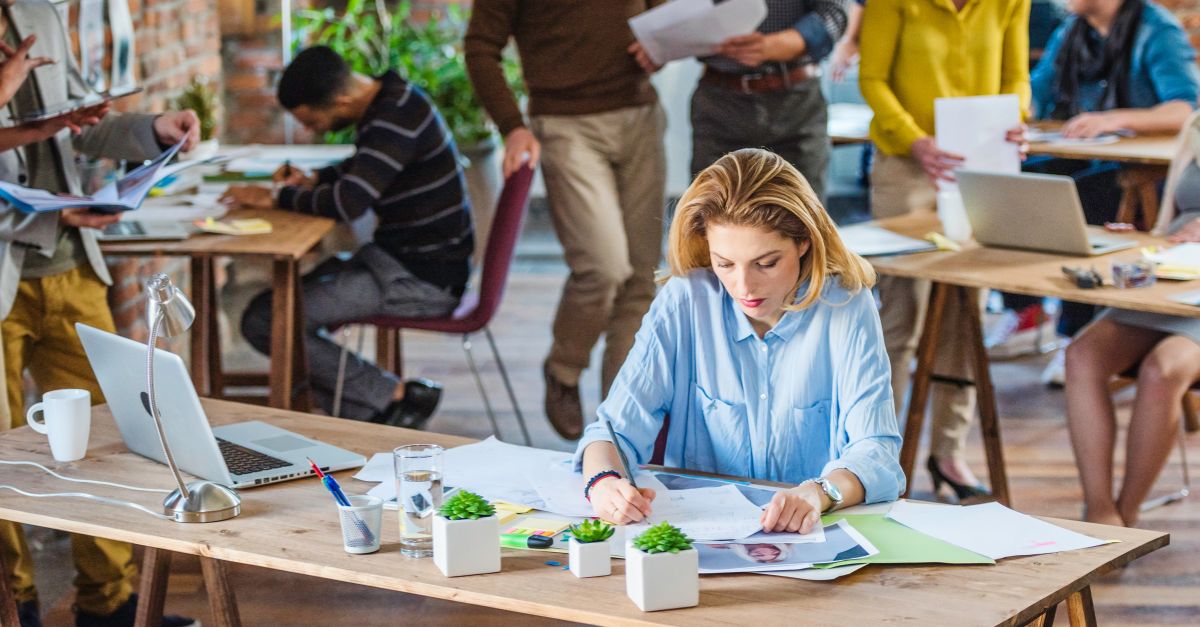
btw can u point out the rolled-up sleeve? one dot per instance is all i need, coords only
(1171, 63)
(640, 395)
(868, 435)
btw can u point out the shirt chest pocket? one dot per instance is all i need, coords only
(802, 443)
(719, 436)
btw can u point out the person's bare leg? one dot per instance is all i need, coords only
(1097, 354)
(1163, 378)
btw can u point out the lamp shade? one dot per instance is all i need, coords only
(167, 300)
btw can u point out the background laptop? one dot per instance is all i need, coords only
(1032, 211)
(239, 455)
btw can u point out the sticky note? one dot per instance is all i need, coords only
(539, 527)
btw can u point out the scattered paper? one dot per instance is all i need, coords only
(814, 574)
(816, 534)
(898, 544)
(265, 160)
(869, 240)
(691, 28)
(561, 488)
(1185, 255)
(380, 467)
(1035, 136)
(848, 119)
(720, 513)
(990, 529)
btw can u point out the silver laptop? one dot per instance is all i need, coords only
(1032, 211)
(138, 230)
(239, 455)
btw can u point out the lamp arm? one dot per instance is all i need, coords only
(162, 435)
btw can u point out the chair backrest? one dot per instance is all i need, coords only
(502, 242)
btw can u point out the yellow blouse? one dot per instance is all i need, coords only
(914, 51)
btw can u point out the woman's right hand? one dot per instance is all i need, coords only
(617, 501)
(937, 163)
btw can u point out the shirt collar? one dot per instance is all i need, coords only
(784, 329)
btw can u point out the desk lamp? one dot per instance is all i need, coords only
(198, 501)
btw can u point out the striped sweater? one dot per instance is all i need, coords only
(405, 168)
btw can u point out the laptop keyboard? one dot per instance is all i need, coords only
(244, 461)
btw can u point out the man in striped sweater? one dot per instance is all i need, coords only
(405, 169)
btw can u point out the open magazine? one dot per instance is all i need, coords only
(124, 194)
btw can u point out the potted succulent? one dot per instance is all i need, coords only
(199, 96)
(466, 536)
(662, 570)
(588, 549)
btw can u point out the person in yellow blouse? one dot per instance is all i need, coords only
(914, 51)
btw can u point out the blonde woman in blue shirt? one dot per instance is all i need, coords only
(763, 356)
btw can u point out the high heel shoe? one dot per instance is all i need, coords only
(961, 490)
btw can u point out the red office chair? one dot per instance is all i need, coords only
(477, 308)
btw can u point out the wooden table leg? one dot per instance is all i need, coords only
(922, 377)
(1080, 609)
(216, 373)
(8, 600)
(985, 396)
(1045, 619)
(300, 378)
(152, 594)
(221, 600)
(283, 331)
(201, 288)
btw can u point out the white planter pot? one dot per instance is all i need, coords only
(662, 581)
(466, 547)
(590, 559)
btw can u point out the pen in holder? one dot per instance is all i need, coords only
(1136, 273)
(361, 522)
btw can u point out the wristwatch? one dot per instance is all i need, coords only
(830, 490)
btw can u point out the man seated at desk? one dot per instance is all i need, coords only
(405, 169)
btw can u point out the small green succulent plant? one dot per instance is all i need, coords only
(663, 538)
(593, 530)
(464, 505)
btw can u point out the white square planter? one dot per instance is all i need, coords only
(662, 581)
(590, 559)
(466, 547)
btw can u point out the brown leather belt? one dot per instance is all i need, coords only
(760, 82)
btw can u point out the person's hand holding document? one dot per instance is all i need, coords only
(691, 28)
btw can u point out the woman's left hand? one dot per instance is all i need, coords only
(794, 510)
(1088, 125)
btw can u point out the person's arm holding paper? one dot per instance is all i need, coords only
(813, 36)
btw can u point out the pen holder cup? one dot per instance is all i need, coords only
(361, 522)
(1138, 273)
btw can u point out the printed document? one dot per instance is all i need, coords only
(693, 28)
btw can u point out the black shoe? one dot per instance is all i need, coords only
(124, 615)
(563, 407)
(29, 614)
(961, 490)
(421, 398)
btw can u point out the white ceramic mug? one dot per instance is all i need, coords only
(67, 420)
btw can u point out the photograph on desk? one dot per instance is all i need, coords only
(842, 543)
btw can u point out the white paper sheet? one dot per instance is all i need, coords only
(843, 542)
(689, 28)
(869, 241)
(990, 529)
(706, 513)
(817, 534)
(974, 127)
(561, 488)
(1185, 255)
(817, 574)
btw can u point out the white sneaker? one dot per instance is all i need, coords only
(1055, 374)
(1001, 329)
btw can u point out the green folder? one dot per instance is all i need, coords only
(898, 544)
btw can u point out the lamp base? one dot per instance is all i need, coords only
(206, 502)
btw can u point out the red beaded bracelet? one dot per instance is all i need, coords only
(597, 478)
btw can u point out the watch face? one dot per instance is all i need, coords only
(832, 490)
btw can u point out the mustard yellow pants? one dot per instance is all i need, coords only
(39, 335)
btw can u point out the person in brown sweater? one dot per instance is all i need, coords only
(596, 127)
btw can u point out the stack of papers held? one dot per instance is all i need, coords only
(694, 28)
(1180, 263)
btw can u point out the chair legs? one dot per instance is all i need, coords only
(1182, 493)
(487, 403)
(512, 397)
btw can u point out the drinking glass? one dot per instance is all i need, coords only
(419, 492)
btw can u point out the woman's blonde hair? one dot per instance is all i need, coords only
(759, 189)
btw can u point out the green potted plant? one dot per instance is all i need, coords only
(588, 549)
(466, 536)
(662, 570)
(201, 97)
(429, 53)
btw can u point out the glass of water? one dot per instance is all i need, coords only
(419, 491)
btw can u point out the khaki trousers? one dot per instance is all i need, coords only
(899, 186)
(605, 176)
(39, 334)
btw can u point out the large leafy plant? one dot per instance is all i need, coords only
(425, 49)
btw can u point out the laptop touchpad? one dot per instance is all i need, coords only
(284, 443)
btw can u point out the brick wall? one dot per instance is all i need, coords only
(175, 40)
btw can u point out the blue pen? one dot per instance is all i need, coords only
(336, 490)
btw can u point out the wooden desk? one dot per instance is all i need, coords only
(1146, 159)
(293, 235)
(293, 527)
(849, 123)
(1021, 272)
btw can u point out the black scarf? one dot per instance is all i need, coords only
(1085, 57)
